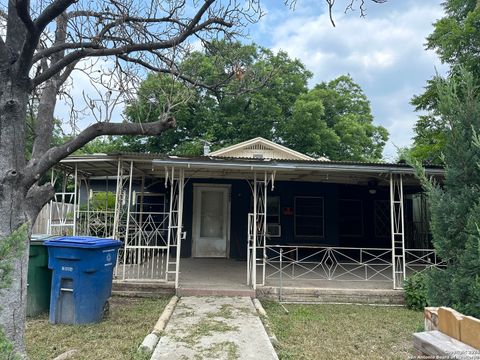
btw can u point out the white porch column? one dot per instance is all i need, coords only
(118, 201)
(257, 230)
(76, 200)
(175, 222)
(129, 202)
(397, 230)
(181, 184)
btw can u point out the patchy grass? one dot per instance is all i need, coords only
(117, 337)
(205, 327)
(343, 331)
(228, 348)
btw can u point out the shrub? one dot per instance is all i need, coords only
(415, 287)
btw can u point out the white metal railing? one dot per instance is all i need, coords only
(420, 259)
(328, 263)
(95, 222)
(145, 252)
(310, 262)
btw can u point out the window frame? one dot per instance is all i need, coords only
(295, 216)
(277, 215)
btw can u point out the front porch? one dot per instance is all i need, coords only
(331, 227)
(227, 277)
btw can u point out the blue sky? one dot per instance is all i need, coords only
(383, 52)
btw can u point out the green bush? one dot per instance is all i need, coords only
(415, 287)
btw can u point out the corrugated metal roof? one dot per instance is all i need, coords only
(158, 156)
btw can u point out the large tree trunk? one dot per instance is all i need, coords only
(14, 207)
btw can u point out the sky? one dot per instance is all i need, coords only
(383, 52)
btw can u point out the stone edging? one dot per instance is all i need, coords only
(151, 340)
(266, 322)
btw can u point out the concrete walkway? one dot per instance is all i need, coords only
(214, 328)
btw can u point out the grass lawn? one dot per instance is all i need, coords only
(343, 331)
(117, 337)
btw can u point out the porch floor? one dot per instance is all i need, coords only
(228, 273)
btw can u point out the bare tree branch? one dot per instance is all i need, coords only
(126, 49)
(51, 12)
(55, 154)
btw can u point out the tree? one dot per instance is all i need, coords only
(456, 40)
(455, 204)
(334, 119)
(256, 104)
(41, 44)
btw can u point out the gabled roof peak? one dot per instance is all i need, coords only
(260, 148)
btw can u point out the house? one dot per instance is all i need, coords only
(281, 215)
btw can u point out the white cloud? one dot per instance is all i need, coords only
(383, 52)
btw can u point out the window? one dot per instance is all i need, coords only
(382, 218)
(309, 219)
(351, 217)
(273, 216)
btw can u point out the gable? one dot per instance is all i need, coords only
(260, 148)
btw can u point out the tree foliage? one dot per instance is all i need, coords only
(333, 119)
(455, 205)
(456, 40)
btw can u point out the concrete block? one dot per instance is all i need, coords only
(449, 322)
(470, 331)
(149, 343)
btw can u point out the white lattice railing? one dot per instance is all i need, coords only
(341, 263)
(417, 260)
(95, 222)
(329, 263)
(144, 256)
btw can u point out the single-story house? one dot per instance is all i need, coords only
(283, 213)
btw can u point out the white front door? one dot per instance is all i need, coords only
(211, 221)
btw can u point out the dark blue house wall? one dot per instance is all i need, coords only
(241, 205)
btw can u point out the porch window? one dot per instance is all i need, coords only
(309, 216)
(351, 217)
(382, 218)
(273, 216)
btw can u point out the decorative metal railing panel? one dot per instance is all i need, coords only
(329, 263)
(341, 263)
(144, 255)
(417, 260)
(95, 222)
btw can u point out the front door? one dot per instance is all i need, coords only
(211, 216)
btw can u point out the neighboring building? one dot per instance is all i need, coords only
(279, 210)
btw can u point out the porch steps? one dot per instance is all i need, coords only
(142, 289)
(215, 291)
(332, 295)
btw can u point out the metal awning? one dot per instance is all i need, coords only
(153, 165)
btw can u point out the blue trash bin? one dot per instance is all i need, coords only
(81, 279)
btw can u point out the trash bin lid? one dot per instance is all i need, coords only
(88, 242)
(40, 238)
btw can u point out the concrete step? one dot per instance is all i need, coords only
(214, 291)
(332, 295)
(142, 289)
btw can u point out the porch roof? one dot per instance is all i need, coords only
(349, 172)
